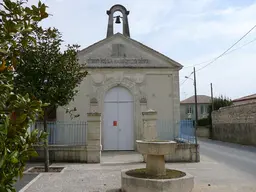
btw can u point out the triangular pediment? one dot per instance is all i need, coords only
(121, 51)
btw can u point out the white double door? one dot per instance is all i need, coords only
(118, 120)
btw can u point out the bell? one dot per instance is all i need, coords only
(118, 21)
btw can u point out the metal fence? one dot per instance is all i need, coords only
(165, 129)
(64, 133)
(187, 131)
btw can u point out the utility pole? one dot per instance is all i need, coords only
(212, 98)
(195, 112)
(211, 132)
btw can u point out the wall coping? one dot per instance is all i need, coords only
(63, 147)
(233, 106)
(149, 112)
(93, 114)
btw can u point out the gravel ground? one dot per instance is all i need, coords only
(210, 176)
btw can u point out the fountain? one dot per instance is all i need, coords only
(155, 177)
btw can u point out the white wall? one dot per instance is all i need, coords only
(160, 86)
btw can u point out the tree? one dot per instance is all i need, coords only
(17, 112)
(48, 74)
(221, 101)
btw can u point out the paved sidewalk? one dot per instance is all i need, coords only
(119, 157)
(210, 176)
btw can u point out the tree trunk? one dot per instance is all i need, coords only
(46, 149)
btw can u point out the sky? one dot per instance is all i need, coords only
(188, 31)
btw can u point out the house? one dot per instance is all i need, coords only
(125, 78)
(245, 100)
(187, 107)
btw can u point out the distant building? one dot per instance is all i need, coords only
(187, 107)
(245, 100)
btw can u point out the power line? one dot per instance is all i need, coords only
(183, 82)
(241, 46)
(186, 78)
(225, 52)
(197, 64)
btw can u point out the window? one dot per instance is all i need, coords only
(206, 110)
(118, 50)
(202, 109)
(189, 109)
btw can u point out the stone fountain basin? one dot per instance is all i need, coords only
(134, 184)
(155, 147)
(155, 168)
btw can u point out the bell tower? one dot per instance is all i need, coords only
(124, 18)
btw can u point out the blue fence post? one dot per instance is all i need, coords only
(186, 133)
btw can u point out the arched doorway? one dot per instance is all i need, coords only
(118, 130)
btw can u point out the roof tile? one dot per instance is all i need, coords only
(200, 99)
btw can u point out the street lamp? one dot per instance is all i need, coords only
(195, 105)
(188, 78)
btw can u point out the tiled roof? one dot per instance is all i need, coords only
(200, 99)
(248, 97)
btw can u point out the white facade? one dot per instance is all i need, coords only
(124, 79)
(153, 84)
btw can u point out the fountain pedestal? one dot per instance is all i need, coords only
(155, 151)
(155, 177)
(155, 165)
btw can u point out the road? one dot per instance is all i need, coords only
(238, 157)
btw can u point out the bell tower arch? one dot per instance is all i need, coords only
(124, 18)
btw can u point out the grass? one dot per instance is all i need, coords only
(141, 173)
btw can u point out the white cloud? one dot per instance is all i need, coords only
(187, 31)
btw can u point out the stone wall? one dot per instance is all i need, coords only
(244, 102)
(236, 124)
(77, 154)
(184, 152)
(202, 131)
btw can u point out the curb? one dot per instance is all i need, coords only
(30, 183)
(38, 176)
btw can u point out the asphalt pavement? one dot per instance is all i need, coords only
(238, 157)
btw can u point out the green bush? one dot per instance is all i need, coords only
(203, 122)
